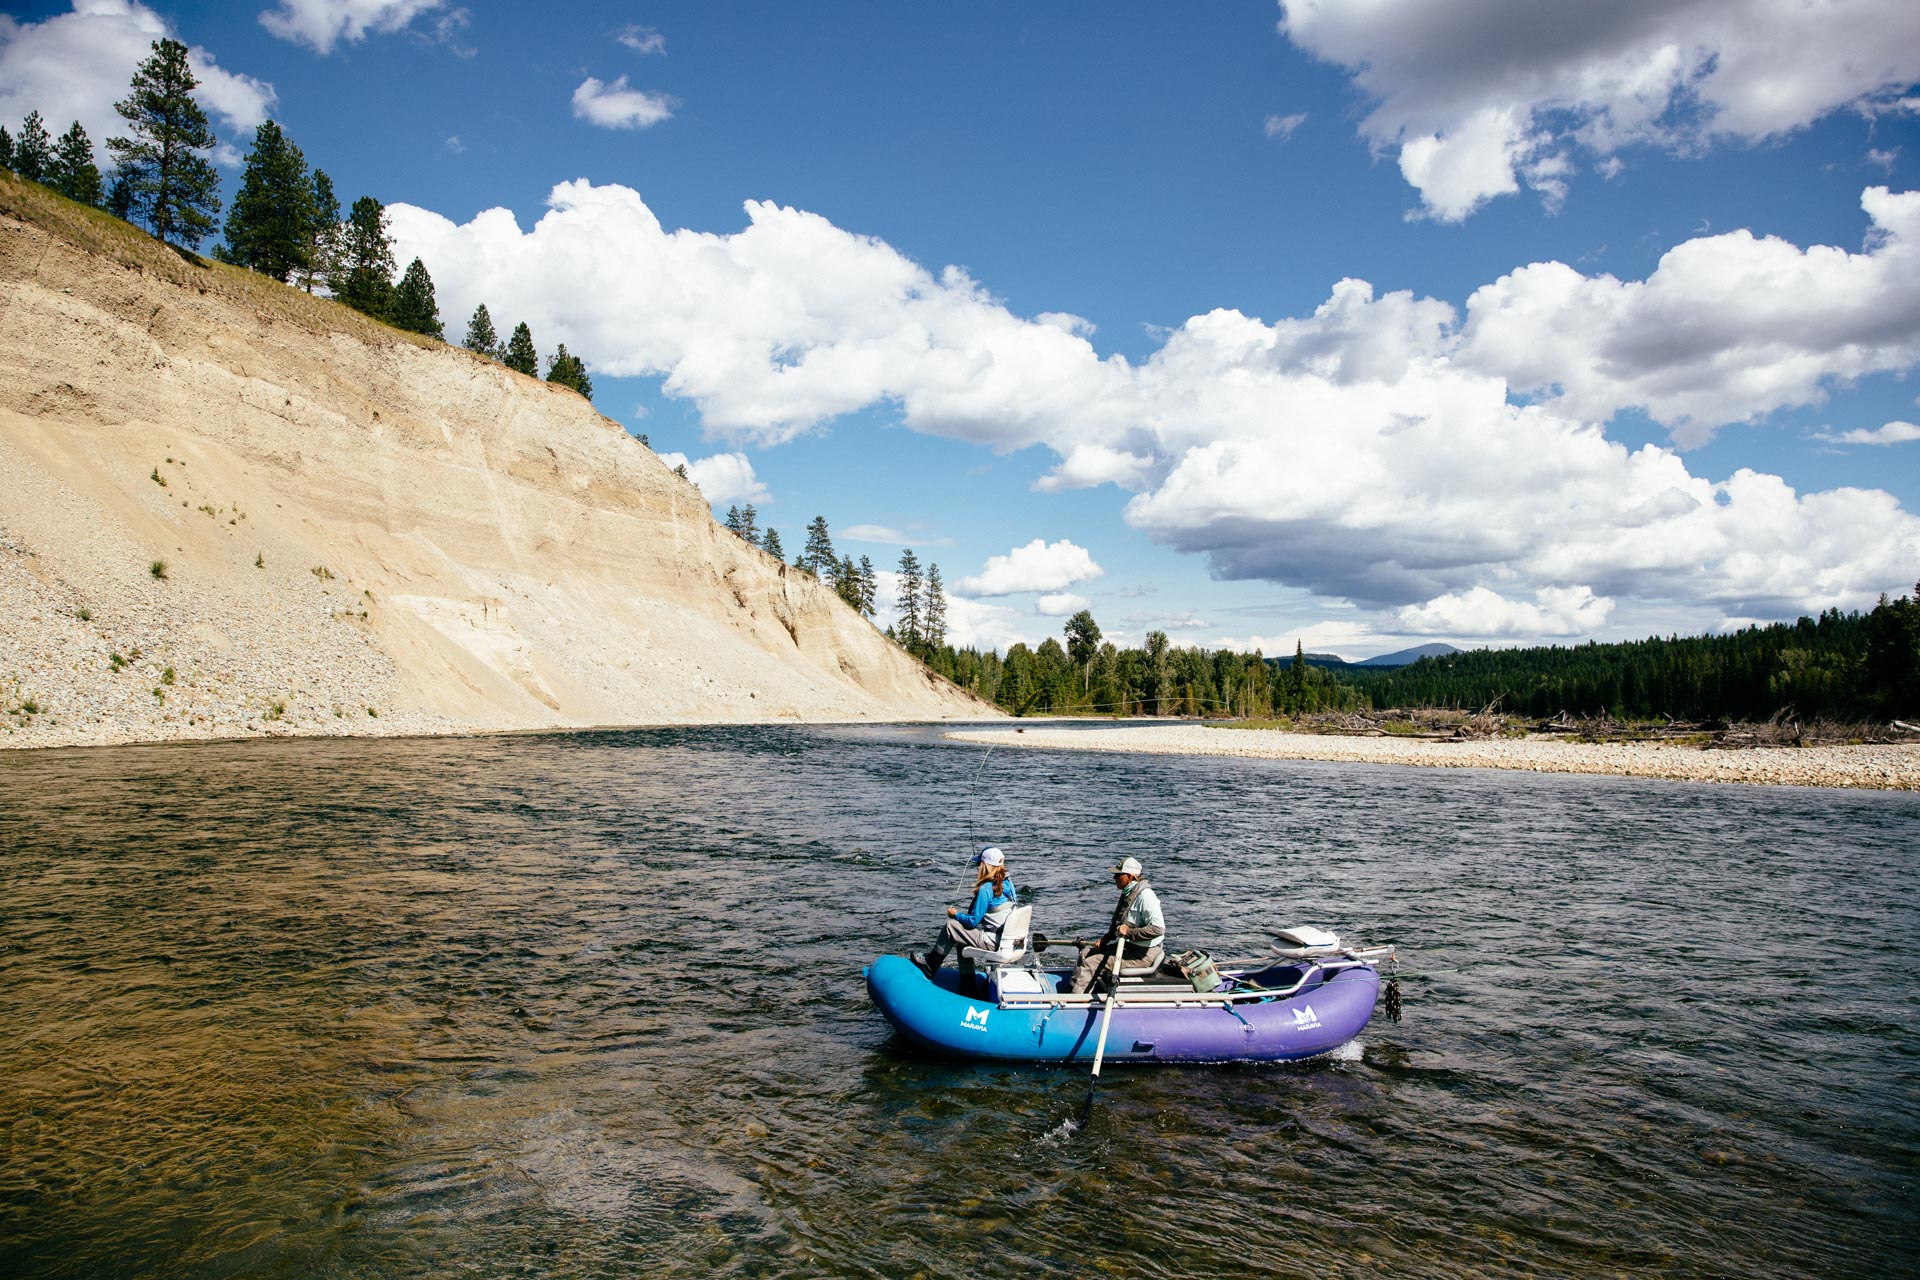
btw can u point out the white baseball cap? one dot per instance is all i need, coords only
(1127, 867)
(990, 857)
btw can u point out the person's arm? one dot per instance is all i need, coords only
(982, 897)
(1154, 924)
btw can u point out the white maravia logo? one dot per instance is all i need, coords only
(1305, 1019)
(976, 1019)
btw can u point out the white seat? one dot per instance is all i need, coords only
(1013, 940)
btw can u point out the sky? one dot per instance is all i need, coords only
(1356, 325)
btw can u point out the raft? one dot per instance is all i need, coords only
(1300, 1005)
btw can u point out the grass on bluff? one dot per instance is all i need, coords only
(100, 233)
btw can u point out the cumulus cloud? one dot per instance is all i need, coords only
(321, 24)
(1478, 100)
(619, 106)
(723, 477)
(1895, 432)
(1727, 328)
(1479, 611)
(1372, 451)
(75, 66)
(1060, 604)
(1038, 566)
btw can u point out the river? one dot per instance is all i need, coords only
(591, 1004)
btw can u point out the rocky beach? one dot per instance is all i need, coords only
(1874, 766)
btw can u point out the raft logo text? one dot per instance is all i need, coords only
(976, 1019)
(1305, 1019)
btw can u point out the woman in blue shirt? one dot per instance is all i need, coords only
(979, 926)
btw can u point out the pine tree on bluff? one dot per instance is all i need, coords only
(414, 307)
(818, 558)
(6, 149)
(480, 335)
(869, 588)
(733, 520)
(73, 173)
(270, 227)
(367, 260)
(171, 186)
(566, 370)
(933, 611)
(770, 543)
(846, 582)
(33, 150)
(749, 523)
(520, 355)
(120, 196)
(908, 628)
(325, 237)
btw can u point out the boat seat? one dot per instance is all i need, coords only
(1146, 966)
(1013, 940)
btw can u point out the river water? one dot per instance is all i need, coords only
(591, 1004)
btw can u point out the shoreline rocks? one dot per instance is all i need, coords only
(1886, 767)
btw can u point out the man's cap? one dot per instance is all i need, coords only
(1127, 867)
(990, 857)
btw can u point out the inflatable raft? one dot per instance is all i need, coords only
(1315, 996)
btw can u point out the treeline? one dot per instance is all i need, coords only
(1838, 665)
(921, 626)
(285, 221)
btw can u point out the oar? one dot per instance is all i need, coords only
(1041, 942)
(1113, 996)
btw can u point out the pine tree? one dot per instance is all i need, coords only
(749, 523)
(770, 543)
(325, 238)
(733, 521)
(846, 582)
(933, 610)
(368, 260)
(869, 588)
(414, 307)
(33, 152)
(818, 557)
(6, 149)
(1296, 687)
(172, 187)
(270, 227)
(480, 334)
(73, 173)
(566, 370)
(120, 196)
(520, 355)
(911, 620)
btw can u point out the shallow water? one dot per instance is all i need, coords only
(590, 1004)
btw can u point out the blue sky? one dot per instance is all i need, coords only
(1365, 325)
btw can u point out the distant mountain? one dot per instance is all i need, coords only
(1401, 657)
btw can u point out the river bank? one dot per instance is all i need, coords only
(1874, 766)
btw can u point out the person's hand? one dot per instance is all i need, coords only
(952, 911)
(1122, 931)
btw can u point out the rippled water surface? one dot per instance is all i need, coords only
(591, 1004)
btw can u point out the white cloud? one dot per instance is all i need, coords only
(456, 146)
(1895, 432)
(1370, 451)
(1282, 127)
(1038, 566)
(1060, 604)
(641, 39)
(618, 106)
(1473, 98)
(723, 477)
(75, 66)
(321, 24)
(1727, 328)
(1480, 612)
